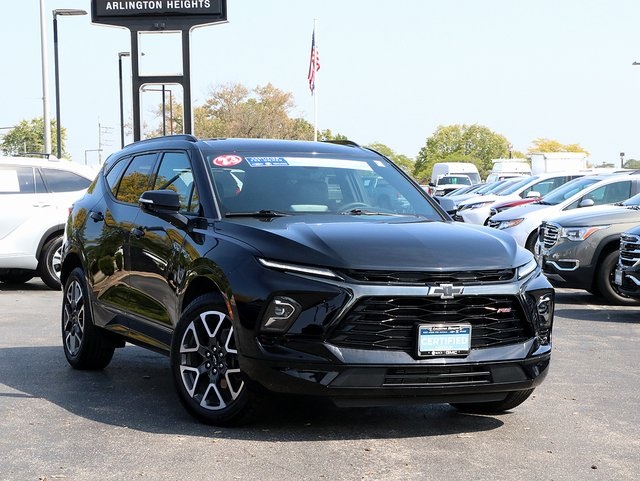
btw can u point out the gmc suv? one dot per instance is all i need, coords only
(294, 280)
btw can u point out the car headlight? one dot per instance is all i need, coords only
(477, 205)
(580, 233)
(507, 224)
(526, 269)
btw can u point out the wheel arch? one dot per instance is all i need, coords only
(608, 245)
(49, 234)
(70, 262)
(199, 286)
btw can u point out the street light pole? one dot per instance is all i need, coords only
(120, 55)
(45, 81)
(60, 11)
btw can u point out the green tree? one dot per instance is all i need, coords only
(461, 143)
(28, 137)
(404, 162)
(232, 110)
(549, 145)
(632, 164)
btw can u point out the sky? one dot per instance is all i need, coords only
(391, 72)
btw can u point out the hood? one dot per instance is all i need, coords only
(348, 242)
(596, 215)
(520, 211)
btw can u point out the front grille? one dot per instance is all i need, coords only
(431, 278)
(438, 376)
(390, 323)
(549, 234)
(629, 250)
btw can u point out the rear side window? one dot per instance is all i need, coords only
(15, 179)
(64, 181)
(136, 179)
(113, 176)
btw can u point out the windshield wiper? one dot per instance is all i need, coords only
(261, 214)
(371, 212)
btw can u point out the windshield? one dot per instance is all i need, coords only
(455, 180)
(567, 190)
(635, 200)
(269, 184)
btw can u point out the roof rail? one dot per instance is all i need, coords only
(350, 143)
(187, 137)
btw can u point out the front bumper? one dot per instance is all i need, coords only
(628, 281)
(373, 381)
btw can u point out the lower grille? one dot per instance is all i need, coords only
(386, 323)
(438, 376)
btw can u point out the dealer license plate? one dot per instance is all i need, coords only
(444, 339)
(617, 278)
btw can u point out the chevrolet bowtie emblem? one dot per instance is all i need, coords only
(445, 291)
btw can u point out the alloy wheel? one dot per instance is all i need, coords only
(209, 367)
(73, 321)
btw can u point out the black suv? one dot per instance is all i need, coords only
(266, 265)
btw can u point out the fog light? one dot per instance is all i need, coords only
(280, 314)
(545, 311)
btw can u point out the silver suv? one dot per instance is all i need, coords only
(35, 198)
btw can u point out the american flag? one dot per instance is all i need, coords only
(314, 63)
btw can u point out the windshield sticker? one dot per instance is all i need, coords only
(267, 161)
(226, 160)
(305, 162)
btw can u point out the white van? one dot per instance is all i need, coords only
(440, 169)
(507, 168)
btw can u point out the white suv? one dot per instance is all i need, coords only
(35, 197)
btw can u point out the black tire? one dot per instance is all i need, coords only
(512, 400)
(530, 245)
(605, 285)
(16, 276)
(50, 263)
(85, 345)
(205, 367)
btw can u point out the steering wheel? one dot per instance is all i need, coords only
(353, 205)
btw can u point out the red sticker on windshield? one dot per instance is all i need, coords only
(227, 160)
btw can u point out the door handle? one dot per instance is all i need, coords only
(138, 233)
(96, 216)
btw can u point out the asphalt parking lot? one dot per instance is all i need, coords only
(583, 423)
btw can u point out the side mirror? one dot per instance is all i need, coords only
(533, 195)
(164, 204)
(431, 184)
(586, 203)
(448, 205)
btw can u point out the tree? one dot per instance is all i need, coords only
(548, 145)
(28, 137)
(461, 143)
(233, 111)
(632, 164)
(404, 162)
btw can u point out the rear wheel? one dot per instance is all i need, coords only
(50, 263)
(604, 281)
(85, 345)
(512, 400)
(205, 367)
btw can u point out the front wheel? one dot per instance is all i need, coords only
(84, 344)
(512, 400)
(606, 286)
(205, 367)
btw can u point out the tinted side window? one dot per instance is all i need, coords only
(63, 181)
(175, 174)
(113, 176)
(16, 179)
(136, 179)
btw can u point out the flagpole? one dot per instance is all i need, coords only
(315, 96)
